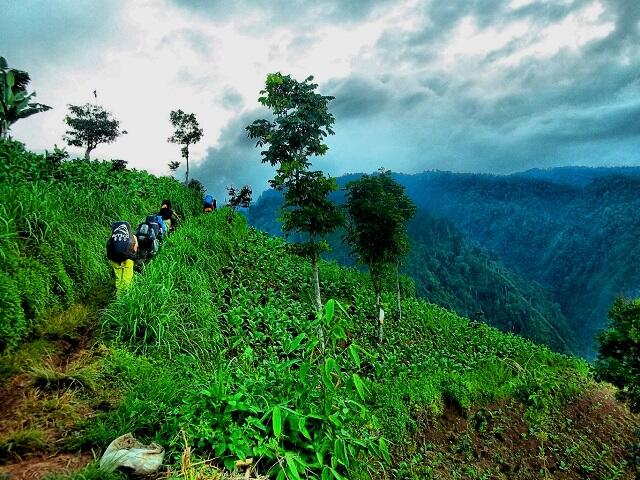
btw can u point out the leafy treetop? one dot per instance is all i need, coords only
(301, 121)
(619, 356)
(91, 125)
(378, 209)
(187, 131)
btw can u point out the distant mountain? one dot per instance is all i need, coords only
(448, 271)
(576, 176)
(581, 242)
(574, 230)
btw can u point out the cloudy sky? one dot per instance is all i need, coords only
(463, 85)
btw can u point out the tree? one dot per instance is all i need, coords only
(296, 133)
(90, 125)
(15, 102)
(239, 197)
(618, 359)
(378, 209)
(187, 131)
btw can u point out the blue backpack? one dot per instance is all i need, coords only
(208, 201)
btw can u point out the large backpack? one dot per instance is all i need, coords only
(119, 243)
(208, 201)
(154, 223)
(147, 239)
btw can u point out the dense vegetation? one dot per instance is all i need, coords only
(580, 242)
(56, 216)
(218, 339)
(448, 271)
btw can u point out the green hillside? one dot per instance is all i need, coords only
(446, 269)
(214, 353)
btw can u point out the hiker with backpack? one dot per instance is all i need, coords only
(169, 217)
(149, 234)
(122, 248)
(208, 204)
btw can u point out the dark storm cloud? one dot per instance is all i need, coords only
(490, 114)
(235, 160)
(36, 32)
(231, 99)
(357, 96)
(286, 11)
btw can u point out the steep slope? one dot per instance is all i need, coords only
(219, 338)
(579, 242)
(450, 272)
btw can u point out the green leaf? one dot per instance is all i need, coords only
(355, 356)
(357, 381)
(295, 343)
(329, 310)
(277, 421)
(303, 429)
(291, 466)
(336, 474)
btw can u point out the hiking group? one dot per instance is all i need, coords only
(127, 250)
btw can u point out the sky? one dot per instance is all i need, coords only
(493, 86)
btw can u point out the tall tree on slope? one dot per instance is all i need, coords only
(301, 121)
(378, 209)
(187, 131)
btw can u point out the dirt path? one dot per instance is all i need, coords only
(52, 387)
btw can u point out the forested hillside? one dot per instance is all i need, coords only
(577, 242)
(449, 271)
(215, 353)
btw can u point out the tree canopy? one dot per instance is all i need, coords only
(89, 126)
(187, 131)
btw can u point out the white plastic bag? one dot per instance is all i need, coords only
(126, 451)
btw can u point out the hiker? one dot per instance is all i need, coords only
(208, 204)
(122, 248)
(169, 217)
(148, 234)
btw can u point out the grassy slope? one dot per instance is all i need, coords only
(218, 338)
(207, 344)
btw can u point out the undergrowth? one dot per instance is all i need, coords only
(219, 339)
(54, 221)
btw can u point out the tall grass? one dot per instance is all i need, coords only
(54, 222)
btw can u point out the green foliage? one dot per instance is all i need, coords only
(187, 131)
(55, 221)
(219, 338)
(378, 210)
(619, 355)
(89, 126)
(15, 102)
(301, 122)
(239, 198)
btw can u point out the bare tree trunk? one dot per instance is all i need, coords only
(398, 291)
(87, 153)
(316, 281)
(380, 317)
(316, 289)
(186, 156)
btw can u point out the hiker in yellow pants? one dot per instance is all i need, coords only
(122, 248)
(124, 274)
